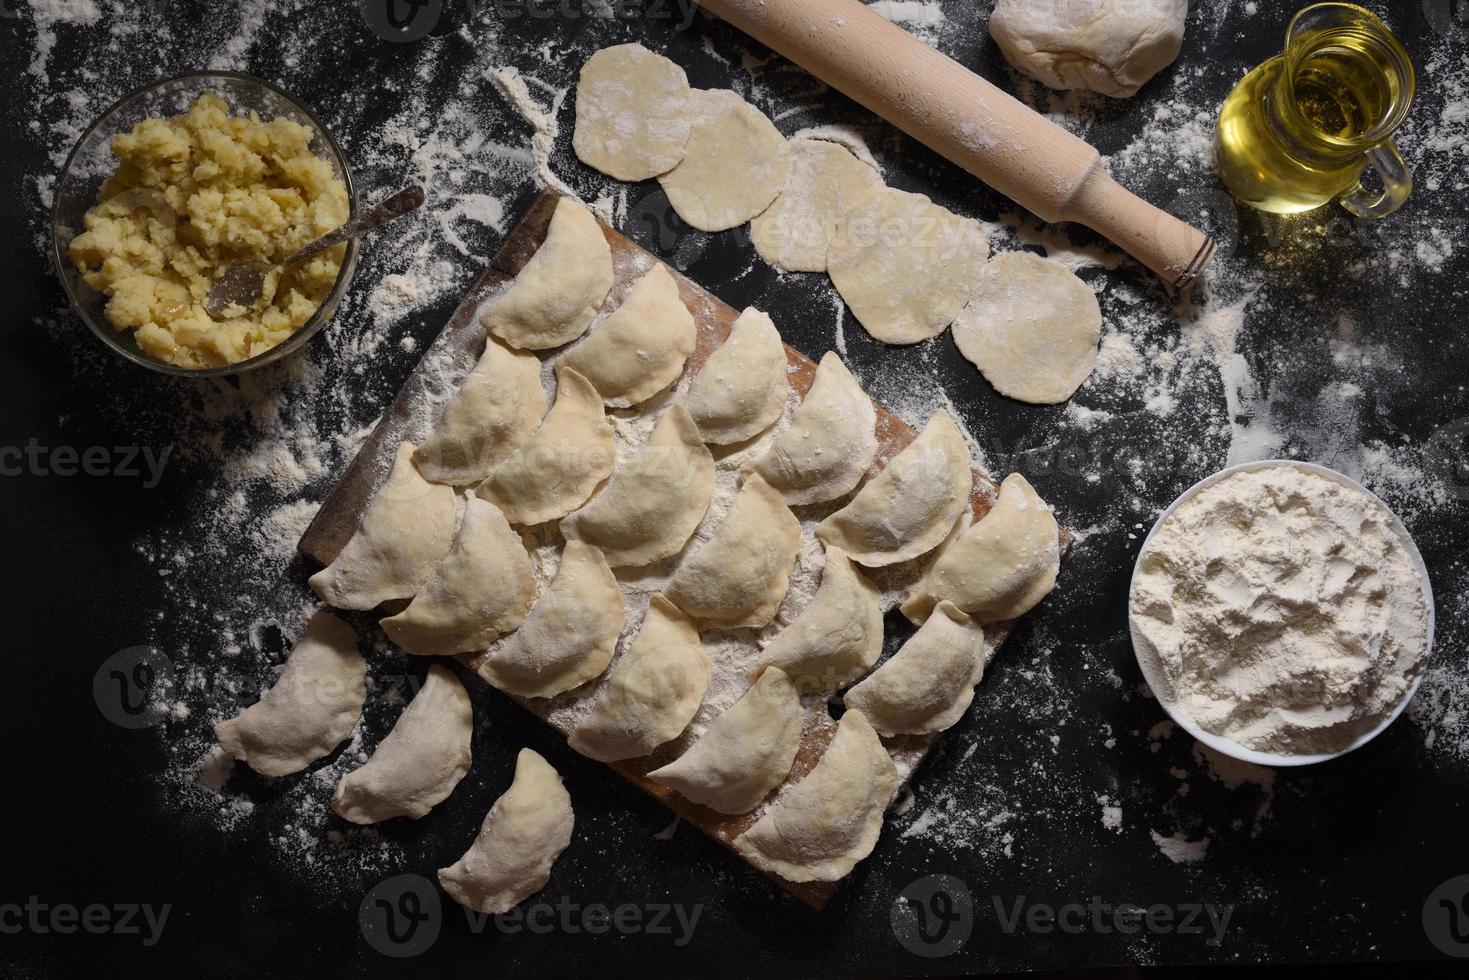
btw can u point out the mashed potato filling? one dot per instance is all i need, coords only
(191, 195)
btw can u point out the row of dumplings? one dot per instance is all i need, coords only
(473, 590)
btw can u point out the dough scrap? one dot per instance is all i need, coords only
(632, 113)
(492, 414)
(745, 753)
(826, 823)
(405, 531)
(741, 389)
(909, 508)
(831, 442)
(481, 590)
(558, 292)
(1032, 328)
(642, 347)
(569, 636)
(1001, 566)
(309, 710)
(734, 164)
(928, 684)
(524, 833)
(795, 232)
(419, 763)
(653, 504)
(905, 265)
(837, 637)
(1108, 46)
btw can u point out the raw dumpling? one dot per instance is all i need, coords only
(826, 823)
(570, 635)
(926, 686)
(479, 592)
(831, 442)
(405, 531)
(1032, 328)
(524, 833)
(909, 508)
(311, 707)
(558, 292)
(1001, 566)
(642, 347)
(741, 389)
(420, 762)
(837, 637)
(735, 163)
(905, 265)
(653, 693)
(739, 576)
(492, 414)
(654, 503)
(556, 471)
(745, 753)
(632, 113)
(794, 233)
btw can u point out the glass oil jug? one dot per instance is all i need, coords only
(1302, 128)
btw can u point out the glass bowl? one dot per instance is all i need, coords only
(91, 162)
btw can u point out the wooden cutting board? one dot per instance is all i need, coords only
(460, 344)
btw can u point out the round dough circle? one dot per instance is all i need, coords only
(734, 165)
(794, 233)
(905, 265)
(632, 113)
(1032, 328)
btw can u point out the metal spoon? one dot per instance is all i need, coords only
(237, 289)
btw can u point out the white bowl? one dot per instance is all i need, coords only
(1153, 670)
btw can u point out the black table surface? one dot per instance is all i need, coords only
(1351, 352)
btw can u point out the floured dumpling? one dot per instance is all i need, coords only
(653, 503)
(735, 162)
(481, 590)
(909, 508)
(745, 753)
(795, 232)
(820, 828)
(641, 348)
(741, 389)
(524, 833)
(926, 686)
(1001, 566)
(831, 442)
(558, 469)
(739, 576)
(405, 531)
(492, 414)
(571, 632)
(558, 292)
(837, 637)
(419, 763)
(632, 113)
(309, 710)
(653, 693)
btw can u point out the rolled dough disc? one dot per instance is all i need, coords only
(632, 113)
(1032, 328)
(905, 265)
(794, 233)
(734, 165)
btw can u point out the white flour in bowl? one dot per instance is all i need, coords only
(1284, 610)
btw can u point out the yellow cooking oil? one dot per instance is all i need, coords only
(1294, 133)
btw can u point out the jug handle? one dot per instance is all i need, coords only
(1397, 184)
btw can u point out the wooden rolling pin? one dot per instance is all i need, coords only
(953, 111)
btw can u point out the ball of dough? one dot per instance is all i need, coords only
(1108, 46)
(632, 113)
(1032, 328)
(734, 165)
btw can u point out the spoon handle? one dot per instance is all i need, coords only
(379, 214)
